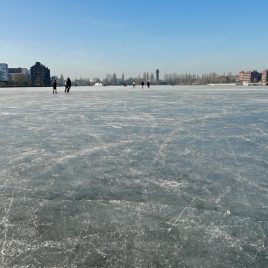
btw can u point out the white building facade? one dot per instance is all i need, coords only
(13, 73)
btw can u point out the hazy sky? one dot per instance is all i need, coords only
(90, 38)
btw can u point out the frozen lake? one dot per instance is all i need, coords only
(123, 177)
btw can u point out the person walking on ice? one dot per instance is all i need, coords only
(54, 84)
(68, 85)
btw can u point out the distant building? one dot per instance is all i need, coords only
(157, 74)
(264, 79)
(256, 77)
(14, 71)
(19, 76)
(144, 76)
(114, 79)
(247, 77)
(244, 77)
(40, 75)
(3, 72)
(61, 80)
(152, 77)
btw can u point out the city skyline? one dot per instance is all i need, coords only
(93, 38)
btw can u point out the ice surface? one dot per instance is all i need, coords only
(122, 177)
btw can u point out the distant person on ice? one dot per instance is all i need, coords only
(148, 84)
(142, 84)
(68, 85)
(134, 84)
(54, 84)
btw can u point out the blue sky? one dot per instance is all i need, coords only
(90, 38)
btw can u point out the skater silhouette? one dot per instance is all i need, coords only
(54, 84)
(68, 85)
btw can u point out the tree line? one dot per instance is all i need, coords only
(204, 79)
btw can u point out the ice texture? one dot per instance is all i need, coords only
(123, 177)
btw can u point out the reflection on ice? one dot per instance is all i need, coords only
(115, 177)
